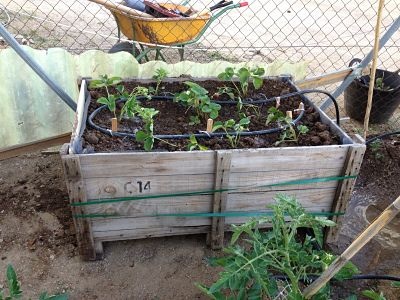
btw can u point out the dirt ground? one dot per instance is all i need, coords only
(37, 238)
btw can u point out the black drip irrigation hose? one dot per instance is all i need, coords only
(381, 136)
(217, 134)
(354, 277)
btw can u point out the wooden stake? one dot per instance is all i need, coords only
(114, 124)
(289, 114)
(210, 123)
(387, 215)
(373, 70)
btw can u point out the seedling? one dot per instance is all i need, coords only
(274, 115)
(196, 98)
(194, 145)
(289, 134)
(376, 149)
(231, 125)
(15, 292)
(106, 82)
(132, 106)
(244, 75)
(159, 76)
(380, 85)
(146, 135)
(249, 267)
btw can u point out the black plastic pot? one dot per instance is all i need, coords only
(384, 102)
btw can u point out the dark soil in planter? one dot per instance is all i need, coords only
(174, 118)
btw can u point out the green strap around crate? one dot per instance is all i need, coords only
(206, 192)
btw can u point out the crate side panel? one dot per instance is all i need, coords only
(147, 164)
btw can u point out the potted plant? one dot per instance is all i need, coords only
(386, 96)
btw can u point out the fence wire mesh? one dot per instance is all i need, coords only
(326, 33)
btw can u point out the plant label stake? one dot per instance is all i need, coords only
(114, 124)
(386, 216)
(210, 123)
(278, 102)
(289, 114)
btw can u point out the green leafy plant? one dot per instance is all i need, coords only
(146, 135)
(194, 145)
(289, 134)
(159, 76)
(274, 115)
(376, 149)
(250, 267)
(380, 84)
(15, 292)
(244, 75)
(231, 125)
(132, 106)
(371, 294)
(196, 98)
(107, 82)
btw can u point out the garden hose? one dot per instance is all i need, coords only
(302, 92)
(185, 136)
(354, 277)
(381, 136)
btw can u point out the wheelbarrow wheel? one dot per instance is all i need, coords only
(124, 47)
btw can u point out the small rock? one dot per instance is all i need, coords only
(22, 181)
(1, 240)
(92, 139)
(52, 257)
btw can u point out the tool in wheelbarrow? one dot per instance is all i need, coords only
(160, 10)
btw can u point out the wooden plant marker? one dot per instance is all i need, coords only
(278, 102)
(114, 124)
(210, 123)
(387, 215)
(289, 114)
(223, 165)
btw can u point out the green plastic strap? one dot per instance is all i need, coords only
(207, 192)
(226, 214)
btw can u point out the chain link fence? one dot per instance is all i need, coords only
(326, 33)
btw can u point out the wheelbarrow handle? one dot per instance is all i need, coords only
(121, 8)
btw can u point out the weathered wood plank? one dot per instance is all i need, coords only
(100, 188)
(318, 199)
(126, 234)
(147, 164)
(345, 189)
(304, 158)
(110, 224)
(76, 191)
(17, 150)
(155, 206)
(223, 165)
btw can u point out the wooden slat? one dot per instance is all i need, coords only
(304, 158)
(127, 186)
(223, 165)
(259, 178)
(147, 164)
(320, 199)
(326, 79)
(155, 206)
(126, 234)
(76, 191)
(34, 146)
(345, 189)
(111, 224)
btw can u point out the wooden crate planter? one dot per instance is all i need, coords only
(99, 176)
